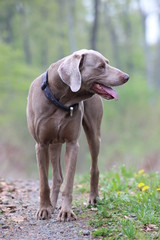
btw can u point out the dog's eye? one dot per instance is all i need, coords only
(101, 66)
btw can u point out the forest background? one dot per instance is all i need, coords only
(36, 33)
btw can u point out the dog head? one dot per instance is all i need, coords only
(91, 70)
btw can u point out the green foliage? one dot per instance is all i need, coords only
(128, 229)
(128, 209)
(102, 232)
(15, 79)
(83, 186)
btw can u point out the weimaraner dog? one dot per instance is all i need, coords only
(60, 101)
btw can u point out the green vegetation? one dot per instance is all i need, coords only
(128, 207)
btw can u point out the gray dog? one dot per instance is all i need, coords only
(60, 101)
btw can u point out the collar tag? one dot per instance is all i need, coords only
(71, 111)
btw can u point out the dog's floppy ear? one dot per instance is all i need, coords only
(69, 71)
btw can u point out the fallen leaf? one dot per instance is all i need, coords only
(93, 209)
(11, 206)
(18, 219)
(150, 228)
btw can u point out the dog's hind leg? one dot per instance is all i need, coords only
(55, 152)
(93, 111)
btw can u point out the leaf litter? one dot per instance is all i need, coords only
(19, 201)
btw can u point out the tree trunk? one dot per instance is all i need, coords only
(25, 34)
(148, 56)
(157, 64)
(95, 26)
(113, 36)
(70, 17)
(61, 21)
(44, 41)
(128, 35)
(9, 27)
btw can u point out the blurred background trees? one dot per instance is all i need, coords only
(34, 34)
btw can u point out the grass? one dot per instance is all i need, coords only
(128, 207)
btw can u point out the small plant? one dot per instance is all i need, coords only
(1, 211)
(128, 229)
(104, 232)
(97, 223)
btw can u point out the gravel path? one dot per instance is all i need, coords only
(19, 201)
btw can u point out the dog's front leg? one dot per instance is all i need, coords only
(55, 152)
(66, 213)
(43, 164)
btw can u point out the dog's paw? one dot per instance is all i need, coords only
(44, 213)
(66, 215)
(92, 200)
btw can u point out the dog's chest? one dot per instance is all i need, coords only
(60, 129)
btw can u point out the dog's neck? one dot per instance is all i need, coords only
(63, 92)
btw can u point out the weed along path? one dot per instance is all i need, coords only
(128, 208)
(19, 202)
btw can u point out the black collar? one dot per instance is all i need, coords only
(48, 93)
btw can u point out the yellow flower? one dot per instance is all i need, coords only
(141, 171)
(119, 192)
(158, 189)
(141, 184)
(145, 188)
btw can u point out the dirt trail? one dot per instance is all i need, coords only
(19, 201)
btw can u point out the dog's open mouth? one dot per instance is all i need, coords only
(106, 92)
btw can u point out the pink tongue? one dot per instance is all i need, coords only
(111, 91)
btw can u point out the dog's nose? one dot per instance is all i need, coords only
(125, 78)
